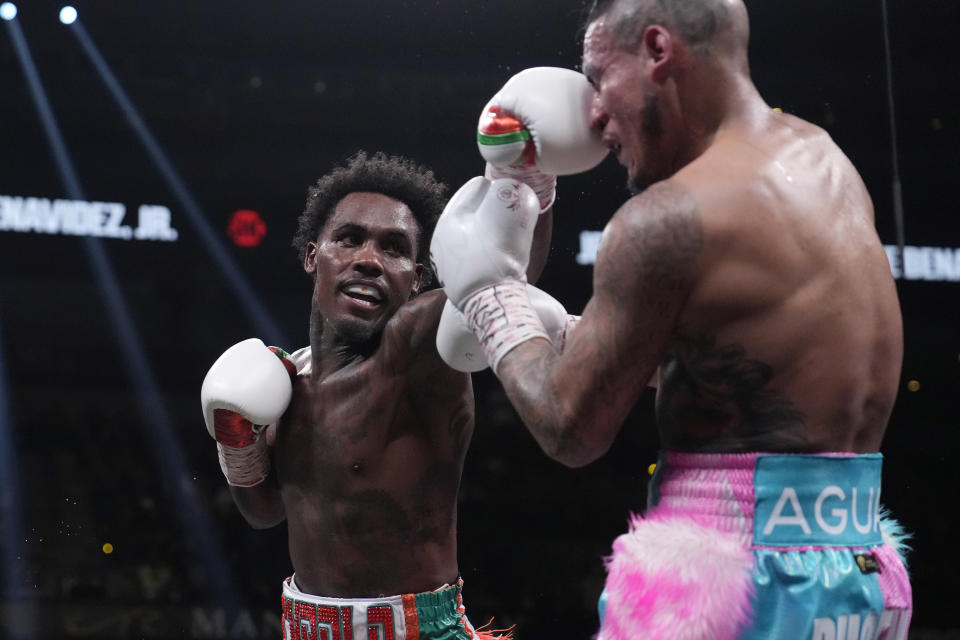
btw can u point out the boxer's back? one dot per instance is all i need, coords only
(791, 339)
(369, 461)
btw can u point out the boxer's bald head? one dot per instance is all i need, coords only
(666, 74)
(709, 27)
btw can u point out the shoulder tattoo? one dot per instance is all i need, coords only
(653, 243)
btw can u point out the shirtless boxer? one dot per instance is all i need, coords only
(365, 462)
(748, 270)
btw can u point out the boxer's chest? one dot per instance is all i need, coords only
(346, 420)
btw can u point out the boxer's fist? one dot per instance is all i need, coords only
(456, 342)
(484, 236)
(459, 347)
(247, 388)
(541, 117)
(556, 321)
(537, 127)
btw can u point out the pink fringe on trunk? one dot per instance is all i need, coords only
(672, 577)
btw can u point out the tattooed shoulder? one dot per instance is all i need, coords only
(652, 242)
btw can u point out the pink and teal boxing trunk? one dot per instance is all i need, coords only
(760, 546)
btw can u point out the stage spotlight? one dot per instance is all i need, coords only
(263, 321)
(68, 15)
(8, 11)
(155, 418)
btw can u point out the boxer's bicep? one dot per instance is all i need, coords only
(646, 267)
(574, 403)
(410, 335)
(644, 272)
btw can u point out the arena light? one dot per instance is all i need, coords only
(158, 425)
(57, 146)
(11, 503)
(895, 184)
(8, 11)
(246, 228)
(262, 321)
(15, 553)
(68, 15)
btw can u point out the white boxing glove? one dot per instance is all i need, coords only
(459, 347)
(480, 250)
(557, 322)
(483, 236)
(456, 342)
(246, 389)
(538, 127)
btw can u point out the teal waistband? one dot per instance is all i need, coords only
(817, 500)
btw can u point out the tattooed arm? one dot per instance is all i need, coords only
(575, 403)
(540, 249)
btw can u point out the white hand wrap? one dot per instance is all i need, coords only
(248, 386)
(458, 345)
(502, 317)
(246, 466)
(560, 341)
(543, 184)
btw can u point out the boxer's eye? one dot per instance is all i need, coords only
(396, 245)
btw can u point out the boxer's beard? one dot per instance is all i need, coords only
(651, 125)
(360, 336)
(356, 338)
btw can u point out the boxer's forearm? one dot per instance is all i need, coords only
(261, 506)
(569, 424)
(540, 249)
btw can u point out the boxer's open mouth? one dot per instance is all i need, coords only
(364, 294)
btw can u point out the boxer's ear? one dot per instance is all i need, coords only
(419, 279)
(658, 50)
(310, 258)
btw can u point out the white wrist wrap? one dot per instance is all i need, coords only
(245, 466)
(568, 326)
(543, 184)
(501, 316)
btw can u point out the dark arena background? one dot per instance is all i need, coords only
(154, 157)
